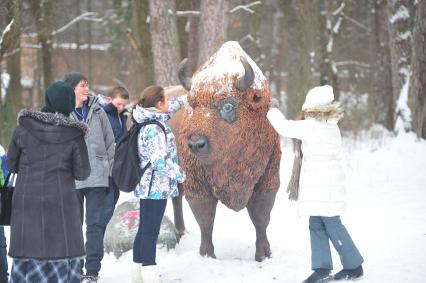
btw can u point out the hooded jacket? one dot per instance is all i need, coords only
(100, 144)
(48, 152)
(322, 180)
(160, 180)
(117, 121)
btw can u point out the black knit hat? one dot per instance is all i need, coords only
(59, 97)
(74, 78)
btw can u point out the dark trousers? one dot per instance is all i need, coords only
(95, 205)
(145, 245)
(110, 201)
(325, 229)
(3, 255)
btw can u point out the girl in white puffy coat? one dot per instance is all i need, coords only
(322, 183)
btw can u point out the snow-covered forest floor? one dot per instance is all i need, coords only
(386, 217)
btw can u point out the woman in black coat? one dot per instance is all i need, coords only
(48, 152)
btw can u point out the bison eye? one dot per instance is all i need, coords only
(228, 107)
(228, 110)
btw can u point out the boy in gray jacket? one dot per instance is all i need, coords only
(100, 145)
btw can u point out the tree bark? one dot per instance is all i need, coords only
(418, 87)
(43, 14)
(13, 100)
(213, 27)
(400, 49)
(301, 30)
(382, 102)
(143, 46)
(328, 74)
(165, 43)
(193, 39)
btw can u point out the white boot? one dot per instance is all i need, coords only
(136, 273)
(150, 274)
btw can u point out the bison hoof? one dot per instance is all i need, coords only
(179, 234)
(207, 252)
(262, 253)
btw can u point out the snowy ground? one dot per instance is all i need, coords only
(386, 217)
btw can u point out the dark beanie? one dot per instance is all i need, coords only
(59, 97)
(74, 78)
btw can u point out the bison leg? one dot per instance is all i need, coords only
(178, 212)
(204, 211)
(259, 208)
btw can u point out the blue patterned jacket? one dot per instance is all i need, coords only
(160, 180)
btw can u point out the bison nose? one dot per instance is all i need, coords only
(199, 144)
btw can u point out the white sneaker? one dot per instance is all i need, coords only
(150, 274)
(136, 273)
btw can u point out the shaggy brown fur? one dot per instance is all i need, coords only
(241, 152)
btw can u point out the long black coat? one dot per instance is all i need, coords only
(48, 152)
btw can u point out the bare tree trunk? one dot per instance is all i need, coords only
(328, 73)
(418, 87)
(89, 43)
(400, 48)
(193, 39)
(142, 42)
(13, 100)
(382, 101)
(43, 12)
(302, 17)
(77, 38)
(213, 27)
(165, 43)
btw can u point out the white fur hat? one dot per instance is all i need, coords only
(318, 96)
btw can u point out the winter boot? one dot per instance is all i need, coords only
(150, 274)
(349, 274)
(89, 278)
(137, 273)
(320, 275)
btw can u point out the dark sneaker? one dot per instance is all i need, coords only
(89, 278)
(349, 274)
(320, 275)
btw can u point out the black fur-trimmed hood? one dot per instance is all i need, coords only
(51, 127)
(333, 111)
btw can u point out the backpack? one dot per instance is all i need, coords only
(126, 171)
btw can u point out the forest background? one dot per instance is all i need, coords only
(373, 52)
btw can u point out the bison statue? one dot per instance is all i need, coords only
(226, 146)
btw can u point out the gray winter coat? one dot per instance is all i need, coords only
(100, 144)
(48, 152)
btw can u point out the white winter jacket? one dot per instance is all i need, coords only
(322, 180)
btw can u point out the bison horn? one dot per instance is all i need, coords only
(246, 81)
(185, 74)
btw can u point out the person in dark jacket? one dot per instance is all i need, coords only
(93, 191)
(118, 98)
(48, 153)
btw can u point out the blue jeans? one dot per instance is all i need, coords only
(145, 245)
(95, 206)
(325, 229)
(3, 255)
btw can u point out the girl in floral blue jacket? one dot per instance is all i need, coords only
(159, 182)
